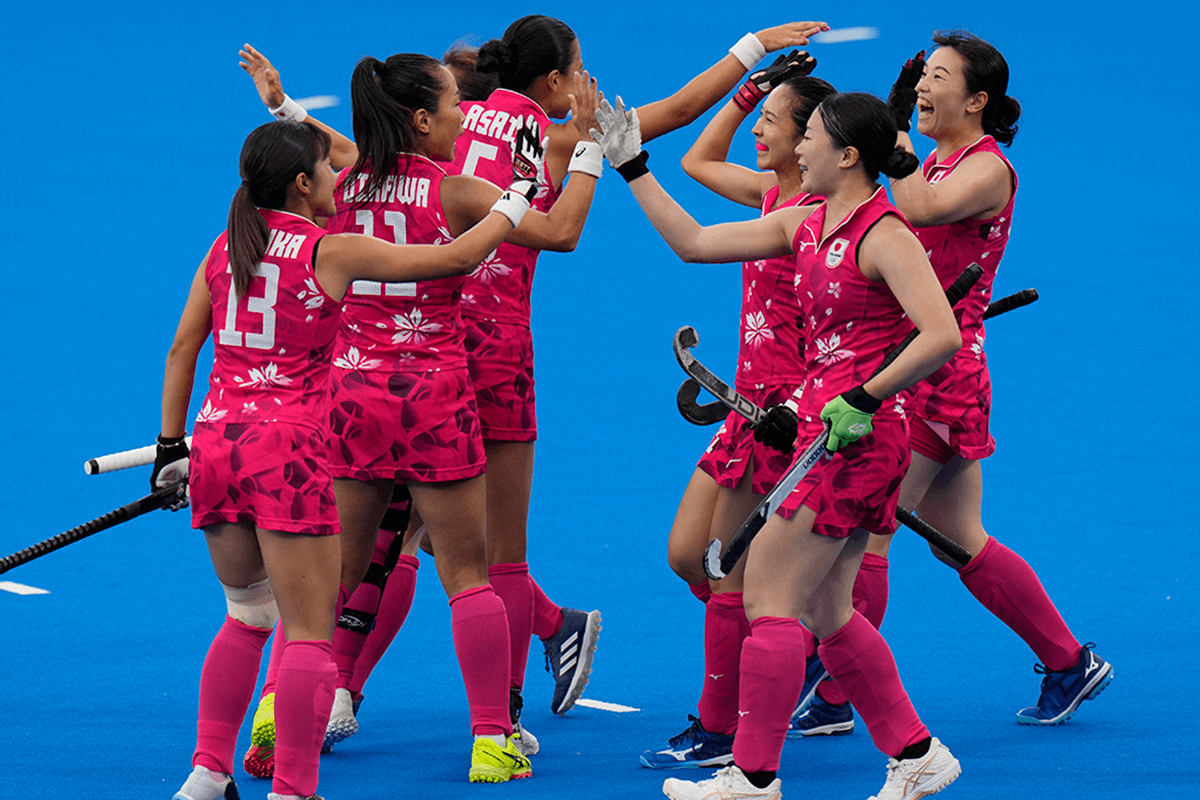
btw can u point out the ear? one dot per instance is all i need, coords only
(976, 103)
(553, 78)
(850, 157)
(302, 184)
(422, 121)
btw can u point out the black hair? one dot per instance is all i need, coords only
(272, 156)
(462, 61)
(384, 96)
(807, 94)
(986, 71)
(864, 122)
(532, 46)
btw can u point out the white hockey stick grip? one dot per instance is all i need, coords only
(137, 457)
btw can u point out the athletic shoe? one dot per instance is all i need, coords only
(822, 719)
(201, 785)
(356, 702)
(273, 796)
(695, 748)
(569, 656)
(728, 784)
(491, 763)
(814, 673)
(526, 742)
(1062, 692)
(914, 778)
(259, 760)
(342, 724)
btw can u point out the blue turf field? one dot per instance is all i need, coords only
(124, 126)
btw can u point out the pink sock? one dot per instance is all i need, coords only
(513, 585)
(1009, 588)
(547, 616)
(394, 606)
(772, 674)
(278, 642)
(870, 600)
(303, 700)
(703, 591)
(360, 610)
(860, 661)
(226, 688)
(480, 627)
(725, 628)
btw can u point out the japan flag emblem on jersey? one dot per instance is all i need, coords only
(836, 252)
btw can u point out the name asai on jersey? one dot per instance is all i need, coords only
(494, 123)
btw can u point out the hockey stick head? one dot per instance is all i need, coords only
(685, 339)
(712, 561)
(693, 412)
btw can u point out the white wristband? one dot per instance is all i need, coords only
(289, 109)
(748, 50)
(588, 158)
(513, 205)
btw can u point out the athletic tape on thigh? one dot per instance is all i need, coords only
(254, 605)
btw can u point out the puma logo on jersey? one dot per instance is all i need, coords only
(716, 677)
(743, 713)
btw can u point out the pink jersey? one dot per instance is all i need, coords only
(499, 289)
(849, 322)
(271, 345)
(959, 393)
(400, 327)
(770, 346)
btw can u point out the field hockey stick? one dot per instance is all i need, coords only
(717, 411)
(717, 564)
(137, 457)
(150, 502)
(685, 339)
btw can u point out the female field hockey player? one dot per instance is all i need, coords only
(962, 205)
(859, 272)
(271, 286)
(736, 471)
(402, 407)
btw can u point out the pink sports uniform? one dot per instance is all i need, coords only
(957, 397)
(849, 325)
(496, 296)
(260, 447)
(769, 366)
(402, 406)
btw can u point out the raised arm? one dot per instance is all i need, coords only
(706, 89)
(979, 188)
(266, 80)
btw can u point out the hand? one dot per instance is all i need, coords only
(170, 467)
(903, 97)
(793, 34)
(620, 135)
(777, 429)
(266, 77)
(528, 153)
(760, 83)
(584, 96)
(849, 417)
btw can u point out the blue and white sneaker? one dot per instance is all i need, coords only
(820, 718)
(569, 656)
(814, 673)
(695, 748)
(1062, 692)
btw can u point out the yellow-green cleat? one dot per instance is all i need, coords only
(491, 763)
(259, 760)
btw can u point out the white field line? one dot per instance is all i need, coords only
(614, 707)
(20, 588)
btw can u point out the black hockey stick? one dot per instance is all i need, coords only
(717, 564)
(150, 502)
(685, 339)
(717, 411)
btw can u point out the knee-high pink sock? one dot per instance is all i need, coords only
(303, 700)
(226, 688)
(1009, 588)
(870, 600)
(772, 673)
(512, 584)
(480, 627)
(278, 642)
(702, 591)
(361, 610)
(860, 661)
(394, 606)
(547, 615)
(725, 628)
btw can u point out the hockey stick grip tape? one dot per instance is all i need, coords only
(137, 457)
(1012, 301)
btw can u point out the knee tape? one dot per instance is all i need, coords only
(254, 605)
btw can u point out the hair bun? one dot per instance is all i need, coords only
(495, 56)
(900, 164)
